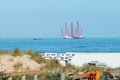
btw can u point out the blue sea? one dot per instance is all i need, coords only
(57, 45)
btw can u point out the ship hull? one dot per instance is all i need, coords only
(78, 37)
(67, 37)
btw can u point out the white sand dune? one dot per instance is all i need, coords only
(7, 63)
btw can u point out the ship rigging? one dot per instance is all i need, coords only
(72, 33)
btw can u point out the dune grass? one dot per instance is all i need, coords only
(17, 66)
(51, 68)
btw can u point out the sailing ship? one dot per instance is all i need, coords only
(73, 33)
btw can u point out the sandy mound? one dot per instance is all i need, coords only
(8, 62)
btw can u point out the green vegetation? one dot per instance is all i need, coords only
(49, 76)
(44, 76)
(16, 78)
(28, 68)
(92, 68)
(35, 56)
(52, 64)
(16, 52)
(11, 60)
(50, 68)
(17, 66)
(71, 67)
(4, 52)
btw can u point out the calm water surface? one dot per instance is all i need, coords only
(63, 45)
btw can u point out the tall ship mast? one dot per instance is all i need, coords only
(79, 33)
(72, 33)
(65, 32)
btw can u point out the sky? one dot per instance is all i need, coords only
(45, 18)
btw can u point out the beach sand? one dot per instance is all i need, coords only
(112, 59)
(78, 59)
(7, 63)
